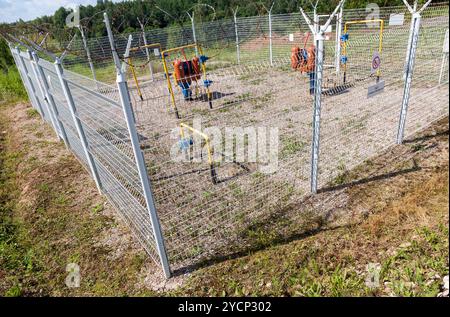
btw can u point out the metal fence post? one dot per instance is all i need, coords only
(194, 33)
(445, 51)
(270, 37)
(49, 99)
(238, 52)
(29, 84)
(411, 54)
(43, 93)
(140, 161)
(147, 52)
(77, 122)
(143, 174)
(411, 32)
(88, 54)
(269, 11)
(337, 56)
(21, 71)
(319, 38)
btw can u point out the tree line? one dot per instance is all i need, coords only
(161, 13)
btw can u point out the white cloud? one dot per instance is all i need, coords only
(13, 10)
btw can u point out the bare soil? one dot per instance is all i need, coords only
(65, 220)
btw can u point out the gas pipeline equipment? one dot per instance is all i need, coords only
(188, 74)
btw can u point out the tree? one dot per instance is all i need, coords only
(6, 60)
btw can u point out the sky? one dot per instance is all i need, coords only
(13, 10)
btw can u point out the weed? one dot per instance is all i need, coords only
(31, 113)
(14, 291)
(207, 194)
(98, 208)
(11, 87)
(291, 146)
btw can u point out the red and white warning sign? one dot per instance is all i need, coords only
(376, 62)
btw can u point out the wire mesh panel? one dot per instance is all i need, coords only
(205, 207)
(358, 122)
(22, 74)
(228, 148)
(108, 142)
(429, 91)
(64, 115)
(32, 86)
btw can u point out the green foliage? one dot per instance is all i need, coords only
(31, 112)
(411, 271)
(6, 59)
(292, 146)
(124, 13)
(14, 291)
(11, 87)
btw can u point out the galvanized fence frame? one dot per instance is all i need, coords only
(79, 113)
(112, 157)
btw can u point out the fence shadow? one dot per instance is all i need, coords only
(371, 179)
(311, 227)
(427, 137)
(255, 248)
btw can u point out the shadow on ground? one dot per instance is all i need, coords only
(315, 214)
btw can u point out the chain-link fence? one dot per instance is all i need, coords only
(176, 156)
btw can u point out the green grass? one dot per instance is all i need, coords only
(48, 225)
(411, 271)
(31, 113)
(405, 235)
(333, 263)
(291, 146)
(13, 255)
(11, 87)
(105, 73)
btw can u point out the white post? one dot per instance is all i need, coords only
(22, 72)
(194, 34)
(28, 83)
(411, 31)
(411, 53)
(319, 38)
(88, 55)
(147, 52)
(269, 11)
(238, 52)
(339, 23)
(140, 161)
(126, 56)
(270, 38)
(445, 51)
(116, 58)
(49, 98)
(319, 42)
(34, 66)
(77, 122)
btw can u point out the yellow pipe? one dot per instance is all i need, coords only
(179, 48)
(380, 45)
(169, 84)
(135, 77)
(133, 70)
(155, 45)
(204, 72)
(380, 49)
(345, 49)
(204, 136)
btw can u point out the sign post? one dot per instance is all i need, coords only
(376, 63)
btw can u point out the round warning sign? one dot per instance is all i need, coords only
(376, 62)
